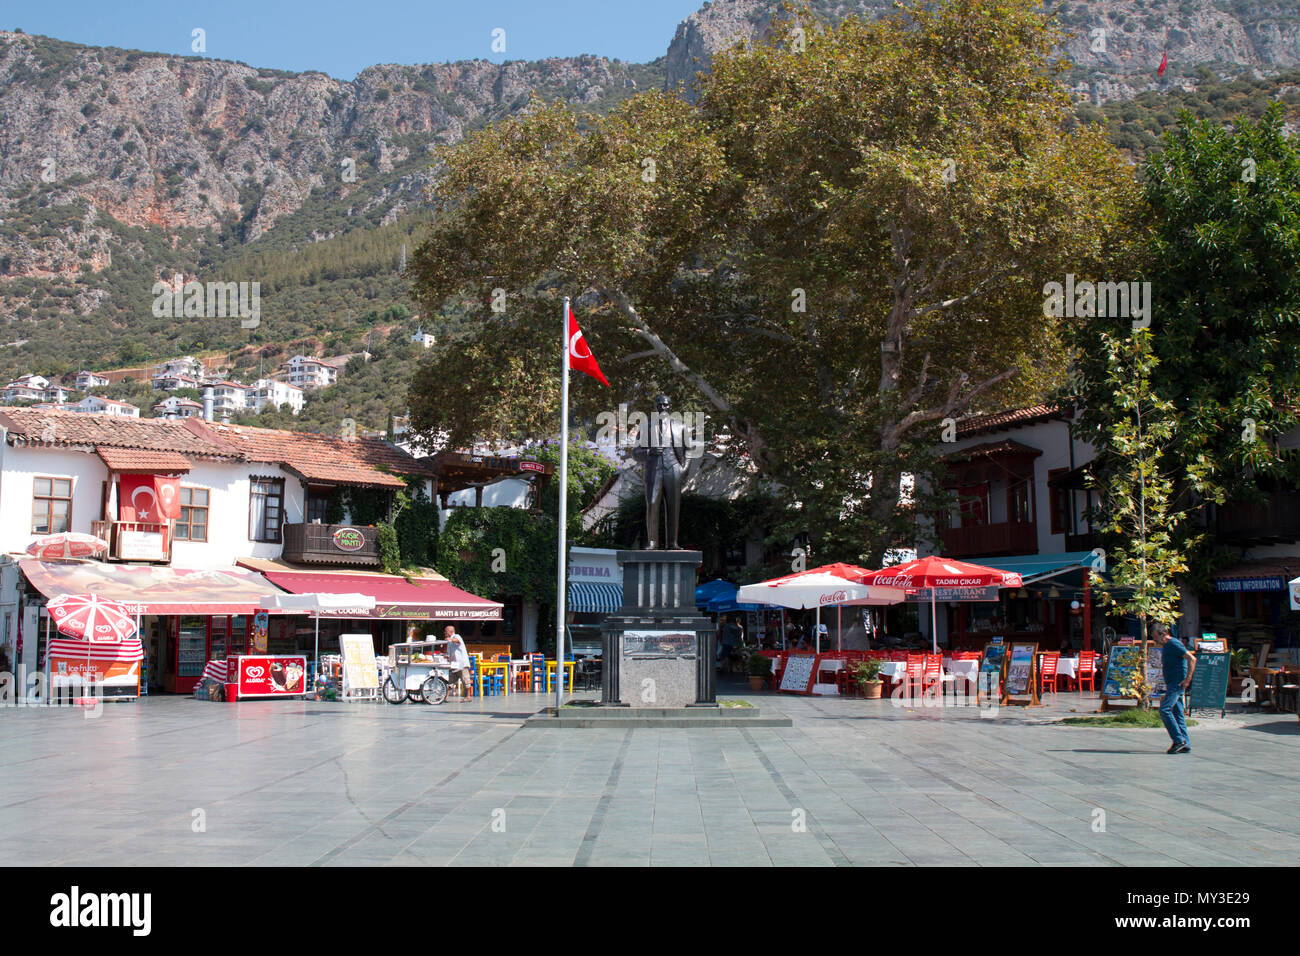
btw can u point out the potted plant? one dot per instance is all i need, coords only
(759, 669)
(1239, 663)
(867, 674)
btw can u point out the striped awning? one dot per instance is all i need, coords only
(588, 598)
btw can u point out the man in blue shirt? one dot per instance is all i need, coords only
(1179, 664)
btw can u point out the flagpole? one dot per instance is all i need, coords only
(561, 592)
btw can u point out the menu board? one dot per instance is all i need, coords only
(360, 672)
(800, 672)
(1021, 683)
(1123, 670)
(272, 676)
(990, 676)
(1156, 669)
(1209, 688)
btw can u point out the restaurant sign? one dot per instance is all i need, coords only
(940, 595)
(1239, 585)
(419, 612)
(349, 539)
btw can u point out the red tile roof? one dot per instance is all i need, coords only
(63, 429)
(995, 421)
(327, 459)
(144, 461)
(993, 448)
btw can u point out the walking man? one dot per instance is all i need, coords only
(1179, 664)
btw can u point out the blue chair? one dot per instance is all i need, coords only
(539, 673)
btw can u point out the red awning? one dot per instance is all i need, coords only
(152, 590)
(421, 599)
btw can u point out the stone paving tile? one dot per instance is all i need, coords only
(305, 783)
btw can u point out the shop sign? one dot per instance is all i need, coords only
(1236, 585)
(532, 466)
(272, 676)
(944, 594)
(349, 539)
(140, 545)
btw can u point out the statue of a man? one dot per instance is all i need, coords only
(662, 449)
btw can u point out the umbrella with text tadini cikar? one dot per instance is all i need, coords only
(91, 617)
(69, 544)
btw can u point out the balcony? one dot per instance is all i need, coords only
(135, 540)
(1274, 521)
(331, 544)
(989, 540)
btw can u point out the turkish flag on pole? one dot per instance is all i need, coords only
(1164, 62)
(580, 356)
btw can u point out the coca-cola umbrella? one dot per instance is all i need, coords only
(67, 544)
(830, 584)
(938, 578)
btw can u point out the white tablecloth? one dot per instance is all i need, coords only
(894, 670)
(966, 670)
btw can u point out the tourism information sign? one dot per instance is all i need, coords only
(1021, 684)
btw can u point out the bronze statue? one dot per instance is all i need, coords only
(662, 449)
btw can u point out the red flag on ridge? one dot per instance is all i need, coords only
(1164, 62)
(580, 356)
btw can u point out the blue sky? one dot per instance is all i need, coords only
(342, 37)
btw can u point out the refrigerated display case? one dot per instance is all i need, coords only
(188, 645)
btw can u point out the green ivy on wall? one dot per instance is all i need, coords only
(500, 551)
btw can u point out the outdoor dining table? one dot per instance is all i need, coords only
(522, 666)
(894, 670)
(550, 674)
(966, 670)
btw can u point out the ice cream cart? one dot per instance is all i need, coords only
(418, 670)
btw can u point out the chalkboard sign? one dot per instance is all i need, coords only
(990, 677)
(1209, 687)
(800, 672)
(1021, 686)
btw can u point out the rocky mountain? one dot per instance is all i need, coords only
(1116, 48)
(121, 167)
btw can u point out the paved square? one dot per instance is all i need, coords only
(172, 780)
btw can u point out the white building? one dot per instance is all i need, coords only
(176, 407)
(56, 393)
(269, 391)
(228, 398)
(308, 372)
(27, 388)
(423, 338)
(249, 502)
(94, 405)
(186, 365)
(85, 381)
(171, 381)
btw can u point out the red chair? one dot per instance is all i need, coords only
(1088, 669)
(932, 673)
(1047, 670)
(914, 679)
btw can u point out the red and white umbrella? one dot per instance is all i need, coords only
(69, 544)
(830, 584)
(90, 617)
(935, 574)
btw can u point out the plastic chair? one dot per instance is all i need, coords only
(537, 679)
(1088, 669)
(932, 673)
(1047, 671)
(915, 676)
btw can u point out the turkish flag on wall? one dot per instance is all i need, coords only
(580, 356)
(149, 498)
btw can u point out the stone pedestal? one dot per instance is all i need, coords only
(658, 650)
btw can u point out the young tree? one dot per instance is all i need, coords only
(1149, 542)
(837, 247)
